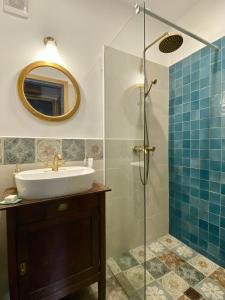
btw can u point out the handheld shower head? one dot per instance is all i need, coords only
(153, 82)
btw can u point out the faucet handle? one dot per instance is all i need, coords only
(59, 156)
(17, 169)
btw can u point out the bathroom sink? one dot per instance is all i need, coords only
(45, 183)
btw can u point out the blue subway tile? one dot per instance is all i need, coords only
(214, 208)
(203, 224)
(215, 198)
(195, 96)
(222, 222)
(204, 174)
(214, 219)
(215, 187)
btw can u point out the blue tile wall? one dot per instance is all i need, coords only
(197, 151)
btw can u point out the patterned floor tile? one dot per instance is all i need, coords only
(169, 241)
(189, 274)
(136, 296)
(183, 297)
(114, 268)
(211, 290)
(156, 268)
(126, 261)
(125, 284)
(93, 290)
(114, 290)
(171, 259)
(139, 253)
(135, 276)
(203, 264)
(173, 284)
(155, 291)
(156, 247)
(192, 294)
(219, 276)
(174, 271)
(184, 252)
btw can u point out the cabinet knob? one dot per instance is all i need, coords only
(23, 269)
(62, 207)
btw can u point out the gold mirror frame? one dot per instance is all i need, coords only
(20, 87)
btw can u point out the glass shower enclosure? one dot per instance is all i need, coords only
(125, 161)
(162, 125)
(124, 129)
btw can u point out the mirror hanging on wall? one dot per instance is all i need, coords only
(49, 91)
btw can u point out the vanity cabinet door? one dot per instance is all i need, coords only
(56, 255)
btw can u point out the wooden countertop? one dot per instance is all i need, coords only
(96, 188)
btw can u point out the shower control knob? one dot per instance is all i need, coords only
(145, 149)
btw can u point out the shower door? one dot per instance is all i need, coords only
(124, 129)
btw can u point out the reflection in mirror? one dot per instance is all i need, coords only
(49, 91)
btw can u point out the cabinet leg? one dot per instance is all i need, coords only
(102, 289)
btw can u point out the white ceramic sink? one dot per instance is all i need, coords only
(45, 183)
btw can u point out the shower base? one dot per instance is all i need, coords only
(174, 271)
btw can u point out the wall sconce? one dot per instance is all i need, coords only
(50, 53)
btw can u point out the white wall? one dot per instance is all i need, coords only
(80, 28)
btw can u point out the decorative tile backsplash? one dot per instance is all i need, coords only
(73, 150)
(46, 149)
(21, 151)
(197, 151)
(30, 150)
(94, 149)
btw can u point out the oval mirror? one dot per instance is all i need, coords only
(49, 91)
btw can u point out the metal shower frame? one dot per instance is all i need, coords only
(192, 35)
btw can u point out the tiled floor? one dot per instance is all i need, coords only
(174, 271)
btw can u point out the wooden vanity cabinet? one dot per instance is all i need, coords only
(57, 246)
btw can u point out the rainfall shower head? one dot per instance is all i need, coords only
(170, 43)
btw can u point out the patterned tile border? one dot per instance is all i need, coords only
(19, 151)
(47, 148)
(73, 150)
(31, 150)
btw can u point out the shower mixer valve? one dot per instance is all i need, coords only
(145, 149)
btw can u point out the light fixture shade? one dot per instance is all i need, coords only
(50, 53)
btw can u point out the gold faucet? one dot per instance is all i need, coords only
(56, 163)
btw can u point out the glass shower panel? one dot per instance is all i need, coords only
(156, 135)
(124, 129)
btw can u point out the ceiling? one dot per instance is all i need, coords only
(204, 18)
(172, 9)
